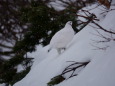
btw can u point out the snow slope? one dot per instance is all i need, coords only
(99, 72)
(2, 84)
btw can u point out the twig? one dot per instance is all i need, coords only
(100, 27)
(73, 69)
(99, 48)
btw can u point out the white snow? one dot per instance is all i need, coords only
(99, 72)
(2, 84)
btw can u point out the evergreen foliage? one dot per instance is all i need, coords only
(8, 69)
(44, 23)
(20, 75)
(56, 80)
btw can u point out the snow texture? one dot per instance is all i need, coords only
(2, 84)
(99, 72)
(62, 37)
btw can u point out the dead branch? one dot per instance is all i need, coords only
(5, 46)
(100, 27)
(105, 3)
(73, 69)
(6, 53)
(99, 48)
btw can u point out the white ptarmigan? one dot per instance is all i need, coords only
(62, 38)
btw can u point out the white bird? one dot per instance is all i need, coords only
(62, 38)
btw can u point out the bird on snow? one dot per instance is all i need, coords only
(62, 38)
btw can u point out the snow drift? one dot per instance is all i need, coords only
(99, 72)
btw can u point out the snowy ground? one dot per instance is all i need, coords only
(99, 72)
(2, 84)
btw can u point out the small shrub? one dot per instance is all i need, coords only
(56, 80)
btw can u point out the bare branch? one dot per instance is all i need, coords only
(100, 27)
(99, 48)
(6, 53)
(5, 46)
(72, 69)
